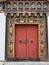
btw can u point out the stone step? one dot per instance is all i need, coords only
(24, 63)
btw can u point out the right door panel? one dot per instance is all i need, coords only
(32, 45)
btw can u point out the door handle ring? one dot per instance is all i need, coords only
(31, 41)
(20, 41)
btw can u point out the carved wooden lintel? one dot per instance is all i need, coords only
(12, 7)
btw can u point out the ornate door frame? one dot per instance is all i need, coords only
(10, 34)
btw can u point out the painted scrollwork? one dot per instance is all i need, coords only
(41, 32)
(11, 47)
(42, 38)
(10, 42)
(42, 48)
(11, 29)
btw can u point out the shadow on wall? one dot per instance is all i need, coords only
(48, 36)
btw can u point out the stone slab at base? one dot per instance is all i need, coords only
(24, 63)
(1, 63)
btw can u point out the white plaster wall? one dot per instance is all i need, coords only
(2, 36)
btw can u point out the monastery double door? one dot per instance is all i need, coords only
(26, 41)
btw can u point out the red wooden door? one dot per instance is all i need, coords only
(26, 41)
(20, 46)
(32, 45)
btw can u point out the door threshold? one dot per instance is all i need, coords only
(27, 59)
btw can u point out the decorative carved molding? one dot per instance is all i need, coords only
(34, 7)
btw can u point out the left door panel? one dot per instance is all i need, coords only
(20, 46)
